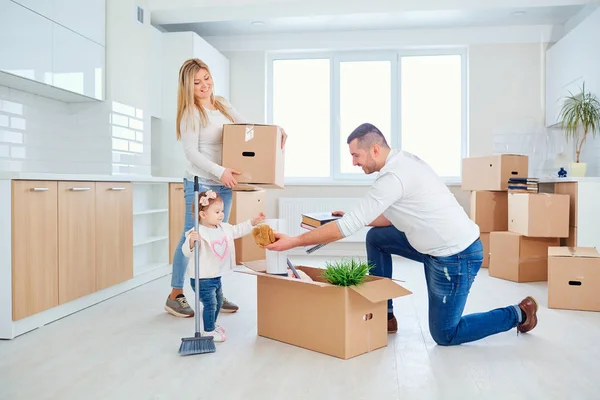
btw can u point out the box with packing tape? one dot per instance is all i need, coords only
(311, 313)
(539, 215)
(519, 258)
(574, 278)
(493, 172)
(255, 151)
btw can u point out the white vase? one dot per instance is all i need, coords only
(578, 169)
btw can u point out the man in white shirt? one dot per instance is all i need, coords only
(414, 215)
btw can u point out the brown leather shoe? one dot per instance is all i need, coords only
(392, 325)
(529, 307)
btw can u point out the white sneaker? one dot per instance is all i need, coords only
(217, 336)
(219, 328)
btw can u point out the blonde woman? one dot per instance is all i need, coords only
(200, 119)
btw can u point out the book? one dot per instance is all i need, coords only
(318, 218)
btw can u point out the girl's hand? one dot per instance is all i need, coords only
(227, 178)
(194, 237)
(258, 219)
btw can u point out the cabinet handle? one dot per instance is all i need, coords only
(39, 189)
(178, 188)
(118, 188)
(79, 189)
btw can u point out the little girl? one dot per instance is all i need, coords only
(217, 255)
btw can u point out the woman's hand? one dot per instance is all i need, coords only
(284, 138)
(227, 178)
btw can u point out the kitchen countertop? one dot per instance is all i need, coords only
(40, 176)
(570, 179)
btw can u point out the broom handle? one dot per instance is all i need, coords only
(197, 254)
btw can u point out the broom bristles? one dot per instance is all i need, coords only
(197, 345)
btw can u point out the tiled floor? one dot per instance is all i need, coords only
(127, 348)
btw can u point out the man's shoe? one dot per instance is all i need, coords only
(179, 307)
(529, 306)
(392, 325)
(228, 307)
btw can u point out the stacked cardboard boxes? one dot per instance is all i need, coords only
(521, 226)
(255, 151)
(487, 179)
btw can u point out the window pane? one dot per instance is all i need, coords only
(365, 96)
(301, 106)
(431, 104)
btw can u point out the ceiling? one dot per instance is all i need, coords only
(412, 19)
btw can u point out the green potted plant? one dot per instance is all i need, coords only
(580, 112)
(346, 272)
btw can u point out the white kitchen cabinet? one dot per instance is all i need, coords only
(43, 7)
(78, 63)
(86, 17)
(570, 62)
(25, 43)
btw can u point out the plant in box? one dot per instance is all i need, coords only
(580, 112)
(346, 272)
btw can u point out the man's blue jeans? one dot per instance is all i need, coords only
(179, 261)
(449, 281)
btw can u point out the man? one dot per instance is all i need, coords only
(415, 215)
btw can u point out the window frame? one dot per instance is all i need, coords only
(336, 177)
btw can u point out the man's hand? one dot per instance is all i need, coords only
(283, 243)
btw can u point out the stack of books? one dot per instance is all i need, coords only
(523, 185)
(311, 221)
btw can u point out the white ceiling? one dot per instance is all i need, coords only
(236, 17)
(370, 21)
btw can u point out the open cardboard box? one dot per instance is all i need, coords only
(339, 321)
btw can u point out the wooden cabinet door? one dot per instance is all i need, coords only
(76, 240)
(114, 233)
(176, 216)
(34, 247)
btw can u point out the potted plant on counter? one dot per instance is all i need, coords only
(579, 114)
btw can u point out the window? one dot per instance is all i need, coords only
(417, 100)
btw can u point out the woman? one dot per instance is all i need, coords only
(200, 119)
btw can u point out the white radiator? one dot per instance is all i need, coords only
(292, 208)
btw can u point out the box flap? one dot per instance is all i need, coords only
(380, 290)
(259, 268)
(563, 251)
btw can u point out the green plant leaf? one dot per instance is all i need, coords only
(346, 272)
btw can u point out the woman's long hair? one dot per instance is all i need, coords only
(185, 96)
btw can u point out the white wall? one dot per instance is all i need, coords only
(44, 135)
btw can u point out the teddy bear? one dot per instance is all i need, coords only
(263, 235)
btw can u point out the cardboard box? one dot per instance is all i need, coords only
(519, 258)
(539, 214)
(343, 322)
(485, 241)
(245, 205)
(574, 278)
(255, 151)
(493, 172)
(489, 210)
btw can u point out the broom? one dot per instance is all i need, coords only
(197, 344)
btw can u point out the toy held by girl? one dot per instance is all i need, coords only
(217, 255)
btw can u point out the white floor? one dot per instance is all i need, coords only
(127, 348)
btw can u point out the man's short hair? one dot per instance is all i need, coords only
(367, 135)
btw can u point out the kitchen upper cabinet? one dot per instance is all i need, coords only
(78, 63)
(571, 61)
(25, 43)
(43, 7)
(68, 54)
(86, 17)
